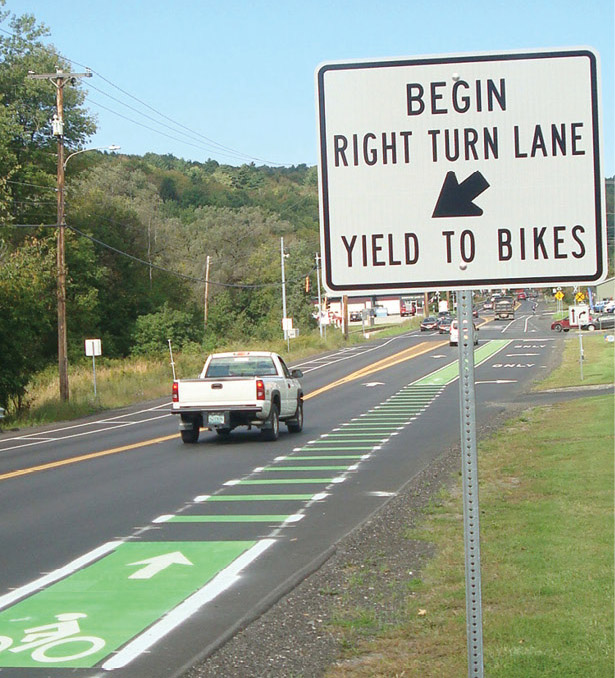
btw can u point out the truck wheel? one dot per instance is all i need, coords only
(295, 425)
(273, 430)
(190, 436)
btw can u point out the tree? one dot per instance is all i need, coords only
(27, 309)
(28, 107)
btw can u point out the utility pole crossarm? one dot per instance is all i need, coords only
(58, 75)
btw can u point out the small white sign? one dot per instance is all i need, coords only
(461, 172)
(287, 324)
(93, 347)
(578, 315)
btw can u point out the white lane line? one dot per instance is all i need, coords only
(220, 583)
(76, 435)
(60, 573)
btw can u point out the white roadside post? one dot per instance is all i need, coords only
(579, 315)
(93, 347)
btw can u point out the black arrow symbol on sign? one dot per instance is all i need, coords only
(456, 198)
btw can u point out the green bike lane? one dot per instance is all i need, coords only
(110, 610)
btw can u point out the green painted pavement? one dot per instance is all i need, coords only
(323, 457)
(448, 373)
(230, 519)
(261, 497)
(336, 448)
(114, 605)
(287, 481)
(305, 468)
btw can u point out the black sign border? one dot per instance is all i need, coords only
(476, 282)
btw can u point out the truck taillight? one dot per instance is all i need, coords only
(260, 389)
(175, 392)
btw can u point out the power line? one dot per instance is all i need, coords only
(152, 129)
(218, 147)
(182, 275)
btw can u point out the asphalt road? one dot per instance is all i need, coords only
(124, 552)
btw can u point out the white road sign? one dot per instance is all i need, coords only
(578, 315)
(461, 172)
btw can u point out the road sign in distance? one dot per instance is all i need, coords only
(461, 172)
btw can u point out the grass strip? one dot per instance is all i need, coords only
(598, 363)
(547, 562)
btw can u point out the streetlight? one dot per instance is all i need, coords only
(58, 131)
(113, 147)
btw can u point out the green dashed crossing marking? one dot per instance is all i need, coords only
(305, 468)
(116, 598)
(287, 481)
(261, 497)
(230, 519)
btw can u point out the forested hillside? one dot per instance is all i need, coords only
(139, 231)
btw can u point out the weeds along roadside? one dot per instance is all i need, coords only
(546, 546)
(123, 382)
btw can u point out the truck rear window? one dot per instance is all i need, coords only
(241, 366)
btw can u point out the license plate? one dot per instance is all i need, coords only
(216, 418)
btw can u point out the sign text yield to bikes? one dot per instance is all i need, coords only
(461, 172)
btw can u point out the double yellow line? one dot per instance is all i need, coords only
(385, 363)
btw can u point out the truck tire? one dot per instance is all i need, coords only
(190, 436)
(295, 425)
(273, 429)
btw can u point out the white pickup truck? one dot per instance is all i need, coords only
(248, 388)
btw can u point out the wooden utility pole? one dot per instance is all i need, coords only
(59, 80)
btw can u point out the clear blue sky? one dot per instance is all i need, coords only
(241, 72)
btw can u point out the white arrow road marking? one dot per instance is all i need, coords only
(439, 356)
(369, 384)
(158, 563)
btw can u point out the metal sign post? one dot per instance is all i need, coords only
(436, 175)
(469, 467)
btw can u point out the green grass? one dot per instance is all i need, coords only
(546, 499)
(598, 362)
(123, 382)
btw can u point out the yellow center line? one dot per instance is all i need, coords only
(407, 354)
(84, 457)
(401, 357)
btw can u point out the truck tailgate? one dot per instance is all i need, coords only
(217, 393)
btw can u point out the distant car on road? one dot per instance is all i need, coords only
(444, 324)
(488, 306)
(602, 323)
(429, 324)
(562, 325)
(454, 334)
(355, 316)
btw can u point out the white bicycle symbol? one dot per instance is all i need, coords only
(65, 632)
